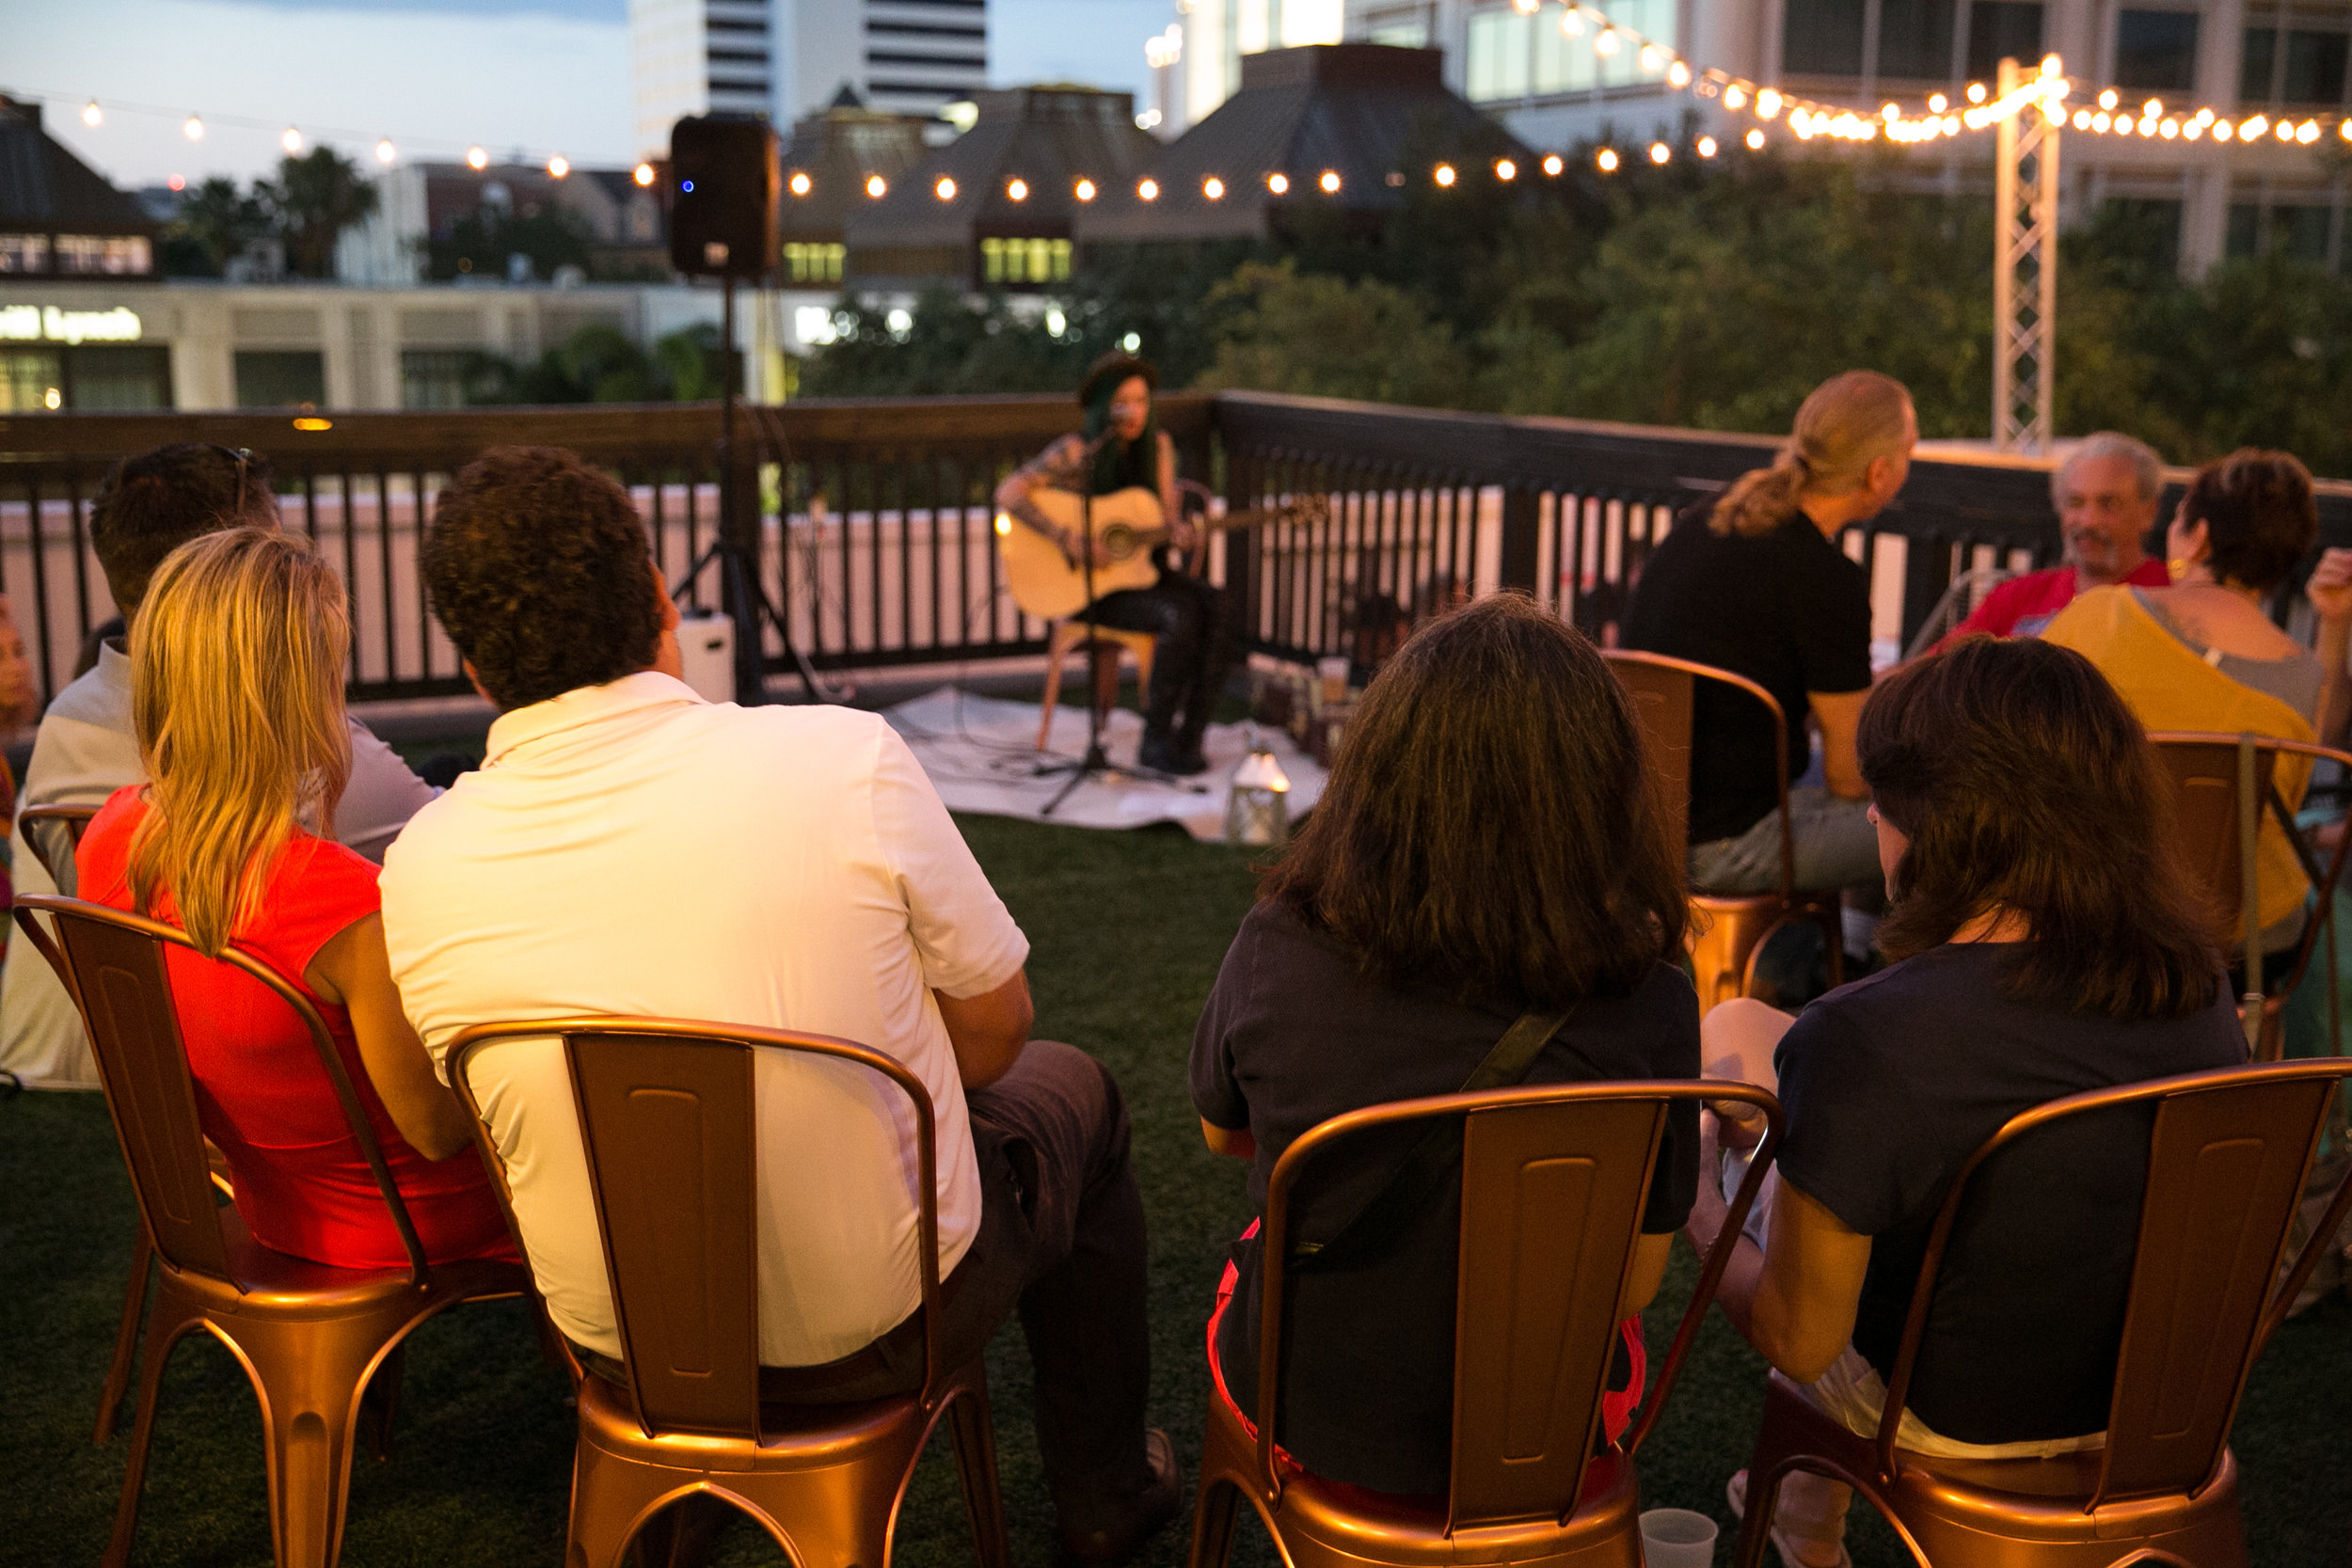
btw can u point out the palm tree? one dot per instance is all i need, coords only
(219, 221)
(315, 197)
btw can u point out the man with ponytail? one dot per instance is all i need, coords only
(1754, 583)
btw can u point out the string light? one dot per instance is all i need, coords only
(385, 151)
(1084, 190)
(1937, 104)
(1506, 169)
(799, 184)
(192, 128)
(1607, 159)
(1213, 188)
(1678, 75)
(93, 116)
(1572, 21)
(1278, 182)
(1018, 189)
(1652, 56)
(1445, 174)
(1756, 139)
(1330, 182)
(558, 167)
(476, 158)
(1660, 152)
(1707, 147)
(877, 187)
(1553, 164)
(1606, 44)
(1149, 190)
(945, 189)
(291, 141)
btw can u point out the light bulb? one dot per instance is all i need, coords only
(1975, 93)
(1330, 182)
(1652, 56)
(1768, 103)
(945, 189)
(290, 140)
(1445, 174)
(558, 167)
(1756, 139)
(1572, 21)
(385, 151)
(1605, 41)
(642, 174)
(799, 184)
(93, 116)
(1734, 96)
(1084, 190)
(1147, 189)
(1607, 160)
(876, 187)
(1937, 104)
(1660, 152)
(1213, 188)
(1278, 182)
(1678, 75)
(1554, 163)
(1018, 190)
(1506, 169)
(192, 128)
(2109, 99)
(477, 158)
(1707, 147)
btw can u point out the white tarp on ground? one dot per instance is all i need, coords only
(980, 754)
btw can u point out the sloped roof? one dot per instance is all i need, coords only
(839, 148)
(1046, 138)
(1344, 109)
(46, 189)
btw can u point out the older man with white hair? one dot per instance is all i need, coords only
(2105, 493)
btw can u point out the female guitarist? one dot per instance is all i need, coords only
(1123, 446)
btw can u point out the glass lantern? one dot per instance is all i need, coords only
(1257, 804)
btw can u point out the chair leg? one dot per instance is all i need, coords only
(1213, 1513)
(610, 1495)
(310, 1385)
(126, 1338)
(379, 1401)
(1054, 657)
(1755, 1525)
(164, 1330)
(974, 1435)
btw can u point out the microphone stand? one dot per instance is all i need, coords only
(1096, 764)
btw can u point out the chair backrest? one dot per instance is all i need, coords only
(112, 964)
(666, 1118)
(1666, 695)
(2228, 1155)
(1554, 1182)
(54, 833)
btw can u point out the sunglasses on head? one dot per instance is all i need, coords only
(242, 458)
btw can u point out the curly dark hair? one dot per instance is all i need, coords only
(155, 503)
(2258, 515)
(1488, 827)
(2024, 782)
(539, 568)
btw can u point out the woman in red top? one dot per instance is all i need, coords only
(237, 656)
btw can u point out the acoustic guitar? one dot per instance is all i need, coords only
(1128, 527)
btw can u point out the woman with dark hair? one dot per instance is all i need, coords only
(1487, 850)
(1755, 582)
(1123, 446)
(2204, 655)
(2043, 942)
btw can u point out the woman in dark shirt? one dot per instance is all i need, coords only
(1488, 846)
(2046, 943)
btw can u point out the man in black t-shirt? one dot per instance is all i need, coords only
(1754, 583)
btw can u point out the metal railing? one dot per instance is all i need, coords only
(876, 516)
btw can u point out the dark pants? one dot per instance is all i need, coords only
(1187, 618)
(1060, 1241)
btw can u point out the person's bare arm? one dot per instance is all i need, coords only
(2330, 593)
(1839, 714)
(1796, 1303)
(1058, 466)
(353, 971)
(988, 1031)
(1649, 1271)
(1239, 1142)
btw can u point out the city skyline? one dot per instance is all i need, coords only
(436, 76)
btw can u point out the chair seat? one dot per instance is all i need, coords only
(2013, 1513)
(792, 1436)
(273, 1280)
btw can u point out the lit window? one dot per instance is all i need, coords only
(24, 253)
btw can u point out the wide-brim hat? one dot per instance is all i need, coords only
(1112, 368)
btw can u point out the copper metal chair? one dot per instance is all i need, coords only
(2226, 1156)
(667, 1123)
(2219, 803)
(1554, 1182)
(1731, 927)
(53, 833)
(309, 1336)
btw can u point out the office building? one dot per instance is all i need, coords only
(2236, 58)
(1214, 35)
(789, 59)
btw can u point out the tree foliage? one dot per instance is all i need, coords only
(316, 196)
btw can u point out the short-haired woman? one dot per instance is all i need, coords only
(2203, 654)
(2045, 942)
(237, 659)
(1487, 848)
(1755, 584)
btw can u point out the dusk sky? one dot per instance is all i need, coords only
(541, 75)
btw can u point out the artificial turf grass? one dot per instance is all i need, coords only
(1128, 930)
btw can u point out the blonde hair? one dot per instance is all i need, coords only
(1849, 422)
(237, 695)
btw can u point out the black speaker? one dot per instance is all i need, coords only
(723, 205)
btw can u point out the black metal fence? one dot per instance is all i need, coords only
(876, 516)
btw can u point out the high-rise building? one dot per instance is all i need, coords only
(1215, 34)
(1534, 67)
(789, 59)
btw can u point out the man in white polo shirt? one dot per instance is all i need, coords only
(627, 847)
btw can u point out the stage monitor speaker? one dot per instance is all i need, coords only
(724, 185)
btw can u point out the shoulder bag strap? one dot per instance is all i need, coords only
(1437, 1152)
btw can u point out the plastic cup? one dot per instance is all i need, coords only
(1677, 1537)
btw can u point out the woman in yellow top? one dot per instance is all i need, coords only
(2203, 654)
